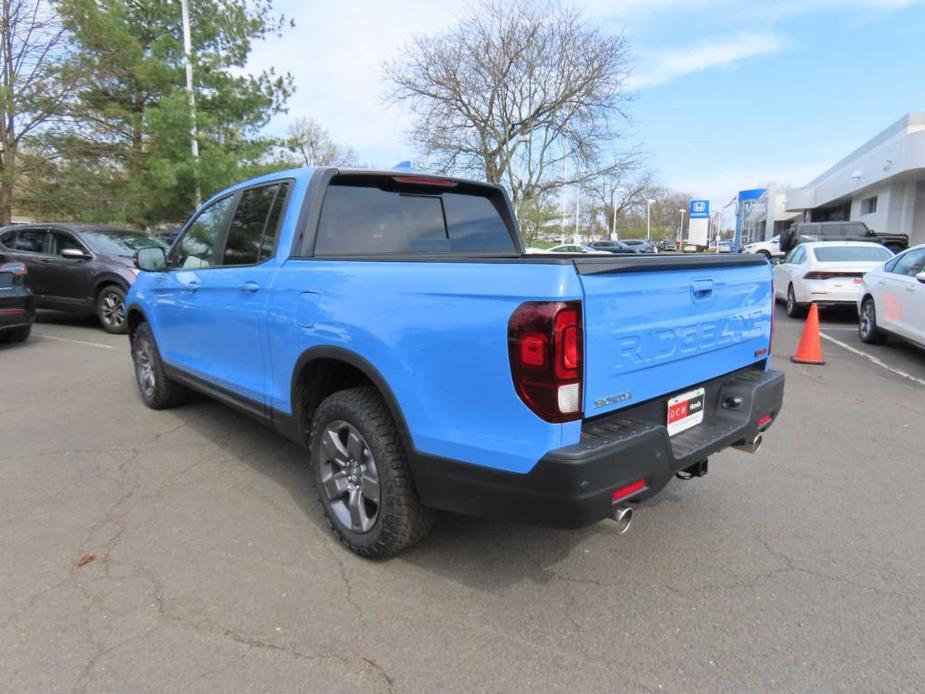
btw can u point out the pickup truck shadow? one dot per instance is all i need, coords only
(481, 554)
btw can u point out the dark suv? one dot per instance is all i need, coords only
(78, 267)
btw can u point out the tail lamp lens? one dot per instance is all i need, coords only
(545, 348)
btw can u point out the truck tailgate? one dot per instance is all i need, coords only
(657, 325)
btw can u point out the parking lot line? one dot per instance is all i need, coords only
(873, 359)
(46, 336)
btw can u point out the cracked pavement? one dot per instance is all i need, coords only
(798, 569)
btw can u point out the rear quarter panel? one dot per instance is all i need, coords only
(437, 333)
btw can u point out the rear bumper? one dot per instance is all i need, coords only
(17, 311)
(572, 487)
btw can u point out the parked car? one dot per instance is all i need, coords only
(641, 245)
(17, 305)
(826, 273)
(725, 247)
(839, 231)
(667, 246)
(392, 325)
(892, 299)
(690, 248)
(81, 268)
(576, 248)
(769, 249)
(613, 247)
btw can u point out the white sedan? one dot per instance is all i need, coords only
(827, 273)
(769, 249)
(576, 248)
(892, 299)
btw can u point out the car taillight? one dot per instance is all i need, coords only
(545, 344)
(18, 270)
(819, 275)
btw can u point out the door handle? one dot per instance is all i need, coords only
(250, 287)
(191, 286)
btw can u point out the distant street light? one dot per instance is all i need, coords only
(649, 204)
(191, 96)
(681, 227)
(613, 204)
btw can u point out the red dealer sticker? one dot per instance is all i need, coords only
(685, 411)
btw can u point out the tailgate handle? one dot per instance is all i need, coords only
(701, 290)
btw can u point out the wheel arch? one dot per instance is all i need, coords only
(134, 317)
(104, 281)
(324, 370)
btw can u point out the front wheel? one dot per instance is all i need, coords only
(361, 477)
(867, 324)
(794, 310)
(157, 390)
(110, 309)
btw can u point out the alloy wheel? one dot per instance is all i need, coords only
(349, 477)
(144, 368)
(867, 318)
(113, 310)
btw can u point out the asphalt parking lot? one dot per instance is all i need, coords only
(797, 569)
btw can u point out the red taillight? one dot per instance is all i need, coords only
(627, 491)
(545, 348)
(426, 181)
(819, 275)
(18, 270)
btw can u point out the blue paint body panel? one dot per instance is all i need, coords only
(436, 332)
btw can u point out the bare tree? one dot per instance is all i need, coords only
(619, 190)
(510, 93)
(312, 145)
(36, 81)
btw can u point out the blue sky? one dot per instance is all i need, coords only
(730, 95)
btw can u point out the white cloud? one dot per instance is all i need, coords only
(668, 65)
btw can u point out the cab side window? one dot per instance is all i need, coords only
(197, 247)
(252, 234)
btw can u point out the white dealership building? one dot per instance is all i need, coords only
(882, 183)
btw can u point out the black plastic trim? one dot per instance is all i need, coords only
(255, 409)
(658, 262)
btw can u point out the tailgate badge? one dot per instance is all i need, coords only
(613, 400)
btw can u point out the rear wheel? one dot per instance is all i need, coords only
(157, 390)
(794, 310)
(362, 479)
(110, 309)
(867, 324)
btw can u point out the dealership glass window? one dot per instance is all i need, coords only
(198, 243)
(869, 205)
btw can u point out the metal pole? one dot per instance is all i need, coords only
(577, 202)
(613, 228)
(191, 96)
(648, 220)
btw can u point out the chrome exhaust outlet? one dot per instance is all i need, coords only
(750, 446)
(623, 517)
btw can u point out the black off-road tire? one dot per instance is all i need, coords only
(110, 309)
(161, 392)
(401, 519)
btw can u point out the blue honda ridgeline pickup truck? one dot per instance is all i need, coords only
(393, 325)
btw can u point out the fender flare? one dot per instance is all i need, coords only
(365, 367)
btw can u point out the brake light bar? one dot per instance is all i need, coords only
(426, 181)
(545, 346)
(627, 491)
(829, 275)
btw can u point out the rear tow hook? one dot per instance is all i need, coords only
(698, 469)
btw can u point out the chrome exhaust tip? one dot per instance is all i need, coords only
(623, 517)
(750, 446)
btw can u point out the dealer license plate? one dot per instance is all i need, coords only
(685, 411)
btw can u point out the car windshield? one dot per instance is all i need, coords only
(111, 242)
(847, 254)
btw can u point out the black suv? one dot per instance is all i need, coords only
(839, 231)
(80, 268)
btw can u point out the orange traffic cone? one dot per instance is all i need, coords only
(809, 350)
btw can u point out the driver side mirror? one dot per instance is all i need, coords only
(74, 254)
(921, 277)
(152, 259)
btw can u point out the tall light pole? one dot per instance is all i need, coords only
(577, 203)
(649, 204)
(681, 226)
(191, 96)
(613, 204)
